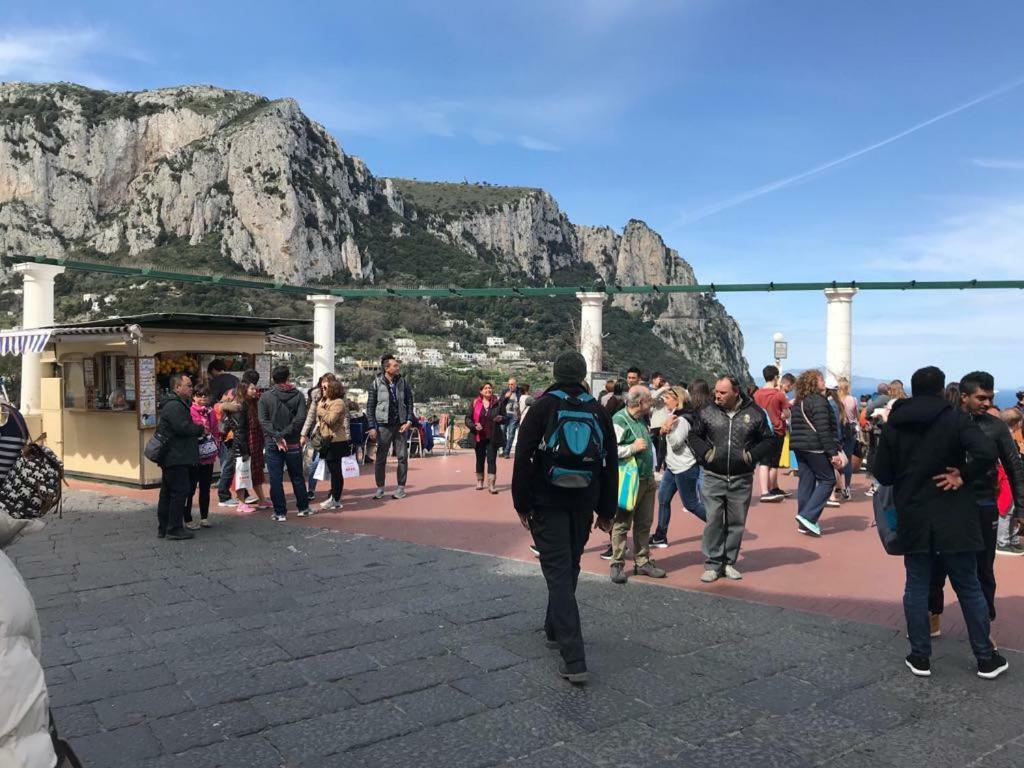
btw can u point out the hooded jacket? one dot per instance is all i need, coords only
(282, 412)
(923, 436)
(183, 433)
(731, 446)
(24, 719)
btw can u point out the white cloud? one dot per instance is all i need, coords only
(999, 163)
(986, 243)
(529, 142)
(42, 55)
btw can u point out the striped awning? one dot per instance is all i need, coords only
(280, 342)
(20, 342)
(35, 339)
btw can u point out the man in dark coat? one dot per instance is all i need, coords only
(560, 518)
(182, 435)
(923, 454)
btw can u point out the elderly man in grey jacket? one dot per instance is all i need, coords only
(390, 415)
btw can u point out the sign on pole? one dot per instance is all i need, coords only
(781, 350)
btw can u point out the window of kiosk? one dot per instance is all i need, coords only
(104, 382)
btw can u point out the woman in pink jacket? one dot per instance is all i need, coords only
(485, 422)
(201, 475)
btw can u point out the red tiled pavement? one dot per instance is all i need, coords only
(845, 573)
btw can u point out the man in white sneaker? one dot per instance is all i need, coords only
(390, 415)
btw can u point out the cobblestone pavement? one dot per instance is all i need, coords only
(260, 645)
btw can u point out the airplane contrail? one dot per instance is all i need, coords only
(778, 184)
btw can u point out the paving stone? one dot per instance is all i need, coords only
(79, 720)
(335, 665)
(341, 731)
(407, 677)
(390, 652)
(553, 757)
(702, 719)
(489, 656)
(207, 726)
(814, 735)
(113, 683)
(302, 703)
(237, 686)
(619, 744)
(873, 707)
(132, 708)
(742, 751)
(779, 694)
(497, 689)
(649, 688)
(250, 752)
(112, 748)
(437, 705)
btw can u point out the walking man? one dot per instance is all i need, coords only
(729, 437)
(633, 441)
(772, 398)
(511, 406)
(282, 412)
(182, 452)
(976, 392)
(389, 412)
(922, 453)
(557, 514)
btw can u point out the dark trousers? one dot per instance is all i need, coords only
(988, 518)
(817, 479)
(200, 476)
(174, 488)
(487, 449)
(962, 568)
(386, 437)
(560, 535)
(660, 443)
(277, 462)
(227, 473)
(333, 456)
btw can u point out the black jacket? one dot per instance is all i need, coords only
(282, 412)
(817, 432)
(530, 489)
(986, 486)
(183, 434)
(923, 436)
(235, 419)
(731, 447)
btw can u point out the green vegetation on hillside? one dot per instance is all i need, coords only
(446, 197)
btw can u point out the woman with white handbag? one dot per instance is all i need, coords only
(816, 442)
(331, 439)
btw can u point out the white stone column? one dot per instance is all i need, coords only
(324, 318)
(591, 325)
(839, 332)
(37, 312)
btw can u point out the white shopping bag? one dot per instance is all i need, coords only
(320, 472)
(349, 467)
(243, 474)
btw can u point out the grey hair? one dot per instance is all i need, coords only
(637, 395)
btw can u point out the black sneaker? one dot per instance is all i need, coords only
(1013, 550)
(180, 534)
(607, 554)
(992, 667)
(785, 494)
(772, 497)
(659, 542)
(921, 666)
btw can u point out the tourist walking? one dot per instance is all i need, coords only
(560, 515)
(181, 453)
(313, 396)
(510, 406)
(681, 470)
(729, 437)
(389, 412)
(201, 475)
(772, 398)
(977, 389)
(923, 453)
(815, 440)
(334, 437)
(282, 412)
(484, 422)
(633, 440)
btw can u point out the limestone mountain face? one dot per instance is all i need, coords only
(94, 174)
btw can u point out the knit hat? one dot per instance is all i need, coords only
(570, 368)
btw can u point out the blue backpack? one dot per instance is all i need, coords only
(573, 449)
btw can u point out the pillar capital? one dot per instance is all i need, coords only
(37, 272)
(325, 299)
(592, 298)
(840, 294)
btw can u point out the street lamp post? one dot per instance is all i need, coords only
(781, 348)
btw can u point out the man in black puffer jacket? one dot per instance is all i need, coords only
(923, 453)
(182, 452)
(976, 392)
(728, 439)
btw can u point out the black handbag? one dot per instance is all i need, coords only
(156, 448)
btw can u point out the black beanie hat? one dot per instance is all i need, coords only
(570, 368)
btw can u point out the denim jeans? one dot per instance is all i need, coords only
(686, 484)
(962, 568)
(511, 427)
(227, 473)
(849, 446)
(277, 462)
(817, 479)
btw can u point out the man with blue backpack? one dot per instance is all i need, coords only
(565, 470)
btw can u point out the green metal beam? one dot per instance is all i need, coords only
(153, 273)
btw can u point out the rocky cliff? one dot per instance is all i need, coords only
(127, 175)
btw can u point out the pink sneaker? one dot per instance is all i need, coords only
(247, 509)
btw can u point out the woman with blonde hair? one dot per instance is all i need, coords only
(848, 410)
(815, 441)
(681, 469)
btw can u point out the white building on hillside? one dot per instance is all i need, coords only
(495, 341)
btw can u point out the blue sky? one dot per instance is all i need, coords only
(671, 112)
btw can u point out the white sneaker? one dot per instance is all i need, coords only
(251, 500)
(228, 503)
(278, 518)
(307, 512)
(709, 576)
(732, 573)
(330, 504)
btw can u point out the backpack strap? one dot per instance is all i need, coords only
(583, 397)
